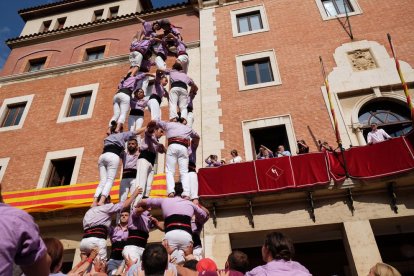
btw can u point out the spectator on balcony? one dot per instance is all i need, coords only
(277, 252)
(381, 269)
(236, 158)
(303, 147)
(212, 161)
(324, 146)
(281, 152)
(264, 153)
(377, 135)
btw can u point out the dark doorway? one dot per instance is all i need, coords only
(61, 172)
(270, 137)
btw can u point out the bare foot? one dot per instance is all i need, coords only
(171, 195)
(102, 200)
(196, 202)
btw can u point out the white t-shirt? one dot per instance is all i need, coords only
(236, 159)
(377, 136)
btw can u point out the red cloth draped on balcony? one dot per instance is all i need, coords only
(373, 161)
(264, 175)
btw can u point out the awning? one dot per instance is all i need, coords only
(72, 196)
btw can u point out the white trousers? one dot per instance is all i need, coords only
(190, 119)
(143, 84)
(135, 59)
(178, 240)
(177, 153)
(185, 61)
(87, 244)
(121, 107)
(134, 252)
(107, 164)
(193, 180)
(155, 109)
(198, 253)
(178, 96)
(135, 122)
(127, 186)
(145, 175)
(160, 63)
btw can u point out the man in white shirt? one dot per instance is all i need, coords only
(377, 135)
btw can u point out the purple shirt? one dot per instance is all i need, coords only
(129, 161)
(174, 129)
(138, 104)
(147, 29)
(179, 76)
(211, 163)
(149, 142)
(181, 47)
(280, 268)
(146, 65)
(118, 139)
(132, 82)
(20, 242)
(101, 215)
(177, 206)
(158, 89)
(118, 234)
(140, 222)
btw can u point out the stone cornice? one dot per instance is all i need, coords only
(86, 65)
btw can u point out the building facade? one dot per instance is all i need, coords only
(258, 69)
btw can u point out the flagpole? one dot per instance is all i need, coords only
(338, 137)
(400, 74)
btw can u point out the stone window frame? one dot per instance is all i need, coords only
(28, 99)
(279, 120)
(235, 13)
(354, 3)
(60, 154)
(270, 54)
(62, 117)
(3, 164)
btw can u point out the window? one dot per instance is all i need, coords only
(249, 21)
(45, 26)
(97, 15)
(113, 12)
(61, 172)
(13, 112)
(95, 53)
(257, 70)
(337, 7)
(270, 132)
(60, 168)
(13, 115)
(78, 103)
(60, 23)
(331, 9)
(36, 64)
(3, 166)
(391, 116)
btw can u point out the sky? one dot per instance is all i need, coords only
(11, 23)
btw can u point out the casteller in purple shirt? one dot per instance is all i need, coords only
(280, 268)
(20, 242)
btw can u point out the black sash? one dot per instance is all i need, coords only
(191, 166)
(136, 112)
(116, 251)
(125, 90)
(148, 155)
(155, 96)
(100, 232)
(129, 173)
(181, 222)
(137, 238)
(179, 84)
(114, 149)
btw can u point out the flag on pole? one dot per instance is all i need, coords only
(400, 74)
(328, 91)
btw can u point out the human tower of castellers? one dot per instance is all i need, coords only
(183, 216)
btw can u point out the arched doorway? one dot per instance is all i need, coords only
(392, 116)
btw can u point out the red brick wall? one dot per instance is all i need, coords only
(299, 36)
